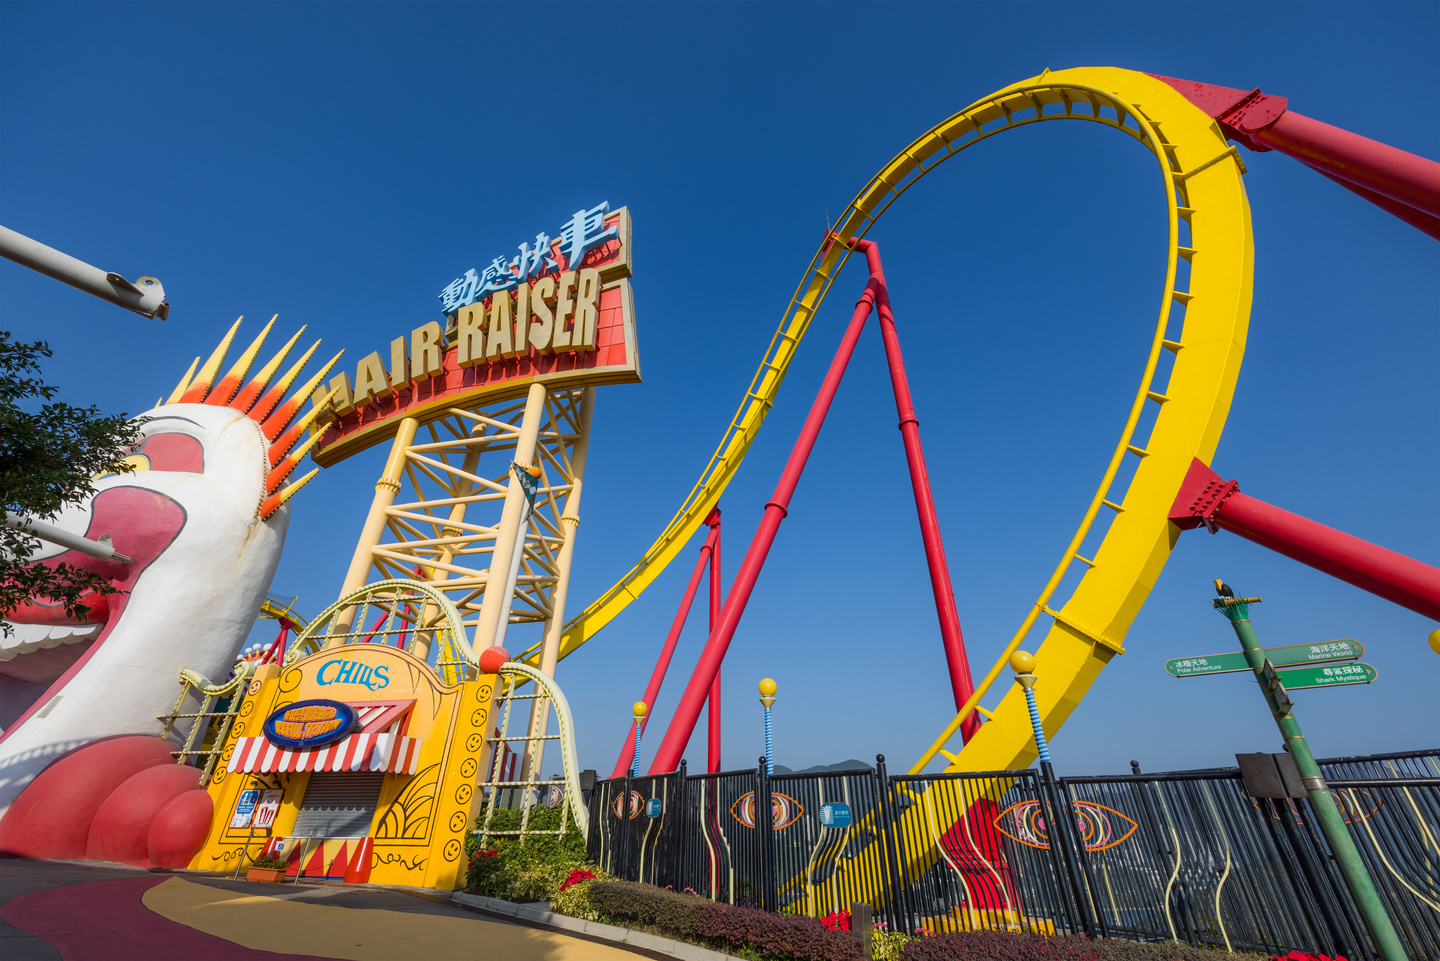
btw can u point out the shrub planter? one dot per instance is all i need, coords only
(265, 875)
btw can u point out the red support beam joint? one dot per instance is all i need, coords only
(1205, 499)
(1370, 168)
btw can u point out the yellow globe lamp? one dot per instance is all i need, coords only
(768, 687)
(1022, 662)
(1435, 640)
(639, 710)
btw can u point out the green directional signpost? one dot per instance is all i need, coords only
(1317, 676)
(1344, 649)
(1279, 668)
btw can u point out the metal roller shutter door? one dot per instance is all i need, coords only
(338, 805)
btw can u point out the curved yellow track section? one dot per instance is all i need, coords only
(1200, 328)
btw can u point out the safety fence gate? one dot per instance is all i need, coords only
(1187, 857)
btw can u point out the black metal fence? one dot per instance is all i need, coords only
(1186, 856)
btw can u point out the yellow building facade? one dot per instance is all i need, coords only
(389, 802)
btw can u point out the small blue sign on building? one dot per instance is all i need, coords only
(652, 808)
(836, 814)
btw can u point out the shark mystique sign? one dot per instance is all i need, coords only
(561, 313)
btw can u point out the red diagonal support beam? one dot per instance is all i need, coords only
(1206, 499)
(662, 664)
(1372, 169)
(677, 736)
(953, 640)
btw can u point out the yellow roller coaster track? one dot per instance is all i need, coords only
(1203, 325)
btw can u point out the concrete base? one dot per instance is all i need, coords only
(541, 914)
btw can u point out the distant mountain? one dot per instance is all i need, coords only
(850, 765)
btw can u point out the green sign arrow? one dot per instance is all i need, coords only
(1344, 649)
(1298, 678)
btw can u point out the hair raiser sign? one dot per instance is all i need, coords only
(309, 724)
(560, 312)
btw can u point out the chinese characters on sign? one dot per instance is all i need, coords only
(585, 232)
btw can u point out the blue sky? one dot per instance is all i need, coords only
(339, 163)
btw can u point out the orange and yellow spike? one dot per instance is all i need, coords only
(229, 385)
(247, 397)
(179, 390)
(200, 386)
(282, 471)
(271, 411)
(285, 413)
(281, 447)
(272, 503)
(273, 395)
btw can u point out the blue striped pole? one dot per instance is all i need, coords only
(769, 746)
(637, 712)
(1023, 664)
(767, 698)
(1040, 741)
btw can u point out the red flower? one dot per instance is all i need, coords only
(837, 920)
(1302, 956)
(576, 876)
(482, 854)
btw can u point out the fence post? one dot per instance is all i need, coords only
(626, 861)
(1077, 847)
(767, 836)
(1060, 832)
(894, 905)
(678, 845)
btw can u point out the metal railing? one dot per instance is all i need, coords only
(1186, 856)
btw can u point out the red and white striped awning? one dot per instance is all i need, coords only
(379, 751)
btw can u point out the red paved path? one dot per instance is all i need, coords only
(106, 921)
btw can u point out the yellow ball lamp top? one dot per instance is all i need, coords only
(1022, 662)
(767, 687)
(1435, 640)
(533, 470)
(639, 709)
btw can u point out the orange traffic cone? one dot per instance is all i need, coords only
(338, 863)
(359, 870)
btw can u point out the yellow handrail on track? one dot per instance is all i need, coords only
(1205, 198)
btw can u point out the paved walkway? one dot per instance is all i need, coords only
(87, 911)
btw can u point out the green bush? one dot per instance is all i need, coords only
(1003, 946)
(527, 872)
(745, 932)
(575, 900)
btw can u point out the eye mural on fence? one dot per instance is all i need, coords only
(1100, 827)
(637, 804)
(784, 810)
(1351, 812)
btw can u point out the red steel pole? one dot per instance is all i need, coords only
(657, 676)
(677, 736)
(1386, 170)
(1205, 499)
(961, 684)
(712, 710)
(1391, 178)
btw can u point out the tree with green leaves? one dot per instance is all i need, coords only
(50, 453)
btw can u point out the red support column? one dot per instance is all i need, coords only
(677, 736)
(657, 676)
(712, 710)
(1388, 171)
(1206, 499)
(1391, 178)
(961, 683)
